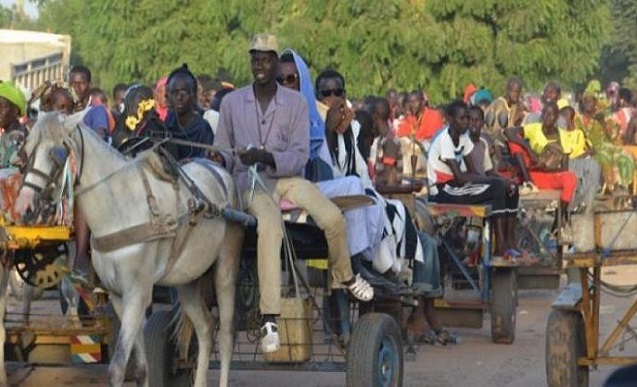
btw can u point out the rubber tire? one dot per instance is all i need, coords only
(374, 334)
(504, 303)
(17, 285)
(161, 352)
(565, 343)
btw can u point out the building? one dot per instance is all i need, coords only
(29, 58)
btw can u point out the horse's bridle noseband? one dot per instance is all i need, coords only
(59, 155)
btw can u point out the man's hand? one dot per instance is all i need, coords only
(217, 158)
(339, 115)
(335, 114)
(254, 155)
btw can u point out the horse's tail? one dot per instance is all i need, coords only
(184, 328)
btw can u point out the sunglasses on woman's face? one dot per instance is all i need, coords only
(287, 79)
(337, 92)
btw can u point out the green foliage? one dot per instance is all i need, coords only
(10, 18)
(438, 45)
(6, 17)
(625, 42)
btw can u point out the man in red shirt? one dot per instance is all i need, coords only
(416, 131)
(422, 122)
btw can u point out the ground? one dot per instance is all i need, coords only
(476, 361)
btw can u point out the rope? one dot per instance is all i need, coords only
(621, 291)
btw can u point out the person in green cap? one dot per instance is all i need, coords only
(12, 107)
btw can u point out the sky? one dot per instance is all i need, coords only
(29, 7)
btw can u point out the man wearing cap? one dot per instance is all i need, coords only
(12, 107)
(267, 127)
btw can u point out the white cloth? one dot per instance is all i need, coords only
(340, 167)
(212, 117)
(442, 149)
(365, 224)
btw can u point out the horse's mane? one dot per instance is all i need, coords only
(55, 127)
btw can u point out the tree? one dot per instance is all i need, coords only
(625, 28)
(438, 45)
(6, 17)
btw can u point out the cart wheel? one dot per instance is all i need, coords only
(18, 287)
(504, 303)
(565, 343)
(375, 352)
(161, 352)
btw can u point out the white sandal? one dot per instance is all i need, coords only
(361, 289)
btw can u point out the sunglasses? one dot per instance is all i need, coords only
(337, 92)
(287, 79)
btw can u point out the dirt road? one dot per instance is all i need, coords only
(474, 362)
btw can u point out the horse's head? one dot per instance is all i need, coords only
(46, 153)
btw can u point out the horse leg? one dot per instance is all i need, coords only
(132, 305)
(194, 306)
(72, 297)
(137, 370)
(27, 296)
(4, 282)
(226, 284)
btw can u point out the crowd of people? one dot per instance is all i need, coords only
(286, 138)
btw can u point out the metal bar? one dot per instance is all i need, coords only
(597, 295)
(618, 329)
(589, 328)
(460, 266)
(326, 366)
(486, 260)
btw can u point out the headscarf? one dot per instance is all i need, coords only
(593, 88)
(14, 95)
(481, 95)
(469, 90)
(318, 144)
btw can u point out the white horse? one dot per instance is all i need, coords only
(144, 233)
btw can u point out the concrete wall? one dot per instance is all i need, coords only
(30, 58)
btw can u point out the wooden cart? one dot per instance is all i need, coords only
(48, 338)
(573, 329)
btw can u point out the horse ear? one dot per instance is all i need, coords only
(70, 122)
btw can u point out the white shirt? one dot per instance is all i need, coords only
(443, 149)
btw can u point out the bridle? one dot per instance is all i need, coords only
(51, 180)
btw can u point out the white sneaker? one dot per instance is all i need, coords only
(270, 337)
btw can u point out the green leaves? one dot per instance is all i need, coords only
(437, 45)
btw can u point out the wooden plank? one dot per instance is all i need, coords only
(545, 195)
(459, 210)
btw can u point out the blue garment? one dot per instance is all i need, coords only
(96, 118)
(197, 131)
(317, 168)
(317, 126)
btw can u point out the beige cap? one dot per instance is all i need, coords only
(264, 42)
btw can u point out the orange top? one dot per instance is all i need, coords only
(423, 128)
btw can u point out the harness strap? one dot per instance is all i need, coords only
(179, 241)
(132, 235)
